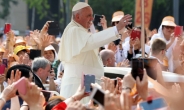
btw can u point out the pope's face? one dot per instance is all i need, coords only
(86, 17)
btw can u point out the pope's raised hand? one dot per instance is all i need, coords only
(124, 21)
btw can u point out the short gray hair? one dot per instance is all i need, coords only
(39, 62)
(75, 12)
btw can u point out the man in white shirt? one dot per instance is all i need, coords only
(79, 48)
(42, 68)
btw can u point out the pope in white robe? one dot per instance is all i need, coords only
(79, 50)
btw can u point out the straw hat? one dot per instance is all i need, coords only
(19, 48)
(117, 16)
(168, 21)
(19, 41)
(2, 50)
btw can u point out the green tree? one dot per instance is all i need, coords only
(42, 7)
(5, 4)
(160, 9)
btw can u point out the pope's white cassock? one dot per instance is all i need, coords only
(79, 52)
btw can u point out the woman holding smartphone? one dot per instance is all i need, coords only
(135, 45)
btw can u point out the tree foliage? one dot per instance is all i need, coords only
(108, 7)
(5, 5)
(160, 9)
(42, 7)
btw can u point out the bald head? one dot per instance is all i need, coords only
(107, 57)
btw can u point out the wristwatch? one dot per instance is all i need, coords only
(127, 88)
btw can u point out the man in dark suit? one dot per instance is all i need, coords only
(44, 73)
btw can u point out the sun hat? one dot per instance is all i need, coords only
(168, 21)
(19, 48)
(19, 41)
(2, 50)
(117, 16)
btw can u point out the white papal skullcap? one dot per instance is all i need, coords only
(79, 6)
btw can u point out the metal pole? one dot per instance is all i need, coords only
(68, 11)
(142, 29)
(33, 18)
(176, 10)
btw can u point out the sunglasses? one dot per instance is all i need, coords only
(117, 22)
(169, 27)
(114, 23)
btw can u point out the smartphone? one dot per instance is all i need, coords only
(54, 28)
(7, 28)
(178, 31)
(2, 68)
(47, 95)
(21, 86)
(34, 53)
(135, 33)
(116, 42)
(138, 65)
(150, 66)
(88, 79)
(5, 62)
(129, 26)
(156, 104)
(98, 96)
(97, 19)
(137, 68)
(51, 67)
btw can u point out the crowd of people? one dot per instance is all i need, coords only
(59, 65)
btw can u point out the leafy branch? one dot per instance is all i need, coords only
(5, 4)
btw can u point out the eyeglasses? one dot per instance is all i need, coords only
(169, 27)
(117, 22)
(114, 23)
